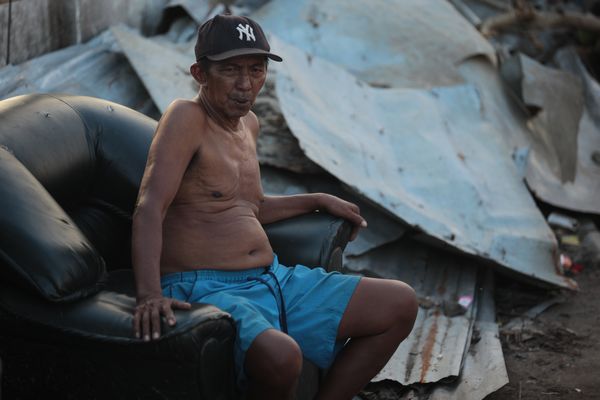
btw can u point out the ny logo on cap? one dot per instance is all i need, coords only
(246, 30)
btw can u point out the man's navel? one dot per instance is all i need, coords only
(217, 194)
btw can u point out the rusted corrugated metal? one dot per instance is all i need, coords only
(436, 347)
(484, 370)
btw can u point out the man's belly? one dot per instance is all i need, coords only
(230, 240)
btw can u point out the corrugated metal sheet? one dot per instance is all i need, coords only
(501, 111)
(580, 194)
(557, 100)
(399, 43)
(435, 349)
(430, 157)
(94, 69)
(199, 11)
(541, 168)
(276, 145)
(164, 71)
(484, 370)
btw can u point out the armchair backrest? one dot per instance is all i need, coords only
(70, 168)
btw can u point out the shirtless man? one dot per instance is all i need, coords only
(198, 237)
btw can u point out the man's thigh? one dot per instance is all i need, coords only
(375, 306)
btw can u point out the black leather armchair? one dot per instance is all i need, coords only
(70, 168)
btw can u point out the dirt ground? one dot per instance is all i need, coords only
(557, 355)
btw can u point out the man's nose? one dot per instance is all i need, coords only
(244, 82)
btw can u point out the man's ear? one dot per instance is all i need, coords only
(198, 73)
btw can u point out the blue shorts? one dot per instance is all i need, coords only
(314, 303)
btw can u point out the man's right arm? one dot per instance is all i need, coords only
(171, 150)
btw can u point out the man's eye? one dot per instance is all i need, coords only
(228, 70)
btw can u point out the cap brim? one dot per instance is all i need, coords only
(244, 52)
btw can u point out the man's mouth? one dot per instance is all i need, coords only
(241, 101)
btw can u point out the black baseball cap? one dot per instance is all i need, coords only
(226, 36)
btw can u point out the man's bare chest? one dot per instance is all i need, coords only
(227, 170)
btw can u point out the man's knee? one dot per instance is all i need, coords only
(405, 304)
(274, 359)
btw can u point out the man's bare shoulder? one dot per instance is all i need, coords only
(182, 118)
(186, 109)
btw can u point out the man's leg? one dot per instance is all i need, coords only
(379, 316)
(273, 365)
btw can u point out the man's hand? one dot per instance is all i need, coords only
(344, 209)
(146, 318)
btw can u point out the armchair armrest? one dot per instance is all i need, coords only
(93, 337)
(316, 239)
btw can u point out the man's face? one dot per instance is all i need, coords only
(231, 85)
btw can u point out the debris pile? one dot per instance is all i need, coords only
(466, 130)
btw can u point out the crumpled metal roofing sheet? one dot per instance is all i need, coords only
(164, 71)
(537, 161)
(400, 43)
(95, 68)
(484, 369)
(558, 95)
(437, 345)
(430, 157)
(276, 145)
(197, 10)
(557, 98)
(201, 10)
(581, 193)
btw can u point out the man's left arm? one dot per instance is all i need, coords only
(276, 208)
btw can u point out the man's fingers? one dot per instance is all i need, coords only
(147, 316)
(358, 220)
(181, 304)
(136, 324)
(145, 324)
(168, 313)
(155, 322)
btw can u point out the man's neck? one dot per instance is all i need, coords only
(229, 124)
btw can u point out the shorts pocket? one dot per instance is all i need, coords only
(181, 291)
